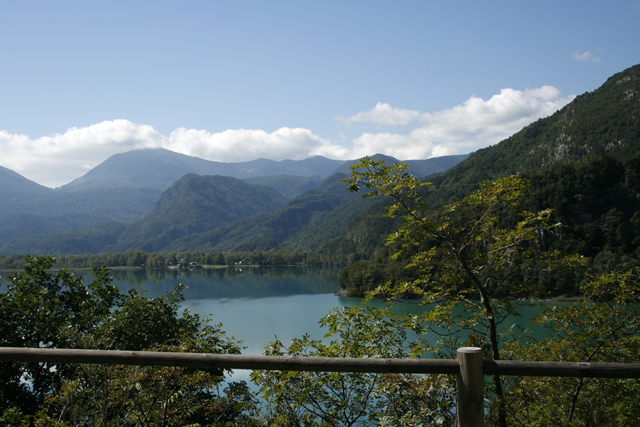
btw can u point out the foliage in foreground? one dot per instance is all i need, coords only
(42, 309)
(476, 259)
(600, 329)
(350, 399)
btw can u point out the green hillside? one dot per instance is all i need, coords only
(14, 187)
(267, 231)
(197, 213)
(305, 223)
(44, 211)
(20, 226)
(126, 187)
(605, 121)
(196, 204)
(289, 186)
(91, 240)
(583, 162)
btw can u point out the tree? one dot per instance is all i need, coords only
(350, 399)
(43, 309)
(478, 259)
(601, 328)
(36, 308)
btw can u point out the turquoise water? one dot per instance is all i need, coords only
(256, 305)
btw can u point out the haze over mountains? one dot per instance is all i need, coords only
(127, 186)
(158, 168)
(156, 200)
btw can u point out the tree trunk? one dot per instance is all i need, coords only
(495, 354)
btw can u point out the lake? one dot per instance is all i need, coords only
(256, 305)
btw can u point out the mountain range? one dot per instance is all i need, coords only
(583, 161)
(129, 191)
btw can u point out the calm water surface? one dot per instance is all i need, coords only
(256, 305)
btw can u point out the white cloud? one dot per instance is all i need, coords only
(384, 114)
(58, 159)
(586, 56)
(474, 124)
(55, 160)
(243, 144)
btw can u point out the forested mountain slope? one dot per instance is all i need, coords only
(29, 209)
(193, 205)
(269, 231)
(191, 216)
(583, 162)
(605, 121)
(14, 187)
(196, 204)
(126, 187)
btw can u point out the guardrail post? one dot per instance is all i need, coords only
(470, 407)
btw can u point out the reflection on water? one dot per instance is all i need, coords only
(256, 305)
(229, 282)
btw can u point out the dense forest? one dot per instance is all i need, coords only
(186, 260)
(596, 201)
(581, 162)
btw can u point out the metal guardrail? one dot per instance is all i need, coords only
(470, 367)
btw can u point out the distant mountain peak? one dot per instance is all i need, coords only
(159, 168)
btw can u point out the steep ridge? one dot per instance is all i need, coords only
(14, 187)
(17, 193)
(268, 231)
(605, 121)
(305, 223)
(583, 162)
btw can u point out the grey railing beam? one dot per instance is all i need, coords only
(470, 367)
(561, 369)
(230, 361)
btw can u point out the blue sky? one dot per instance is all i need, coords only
(234, 81)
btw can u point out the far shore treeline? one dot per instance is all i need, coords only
(141, 259)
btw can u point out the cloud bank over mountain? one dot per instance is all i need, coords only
(57, 159)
